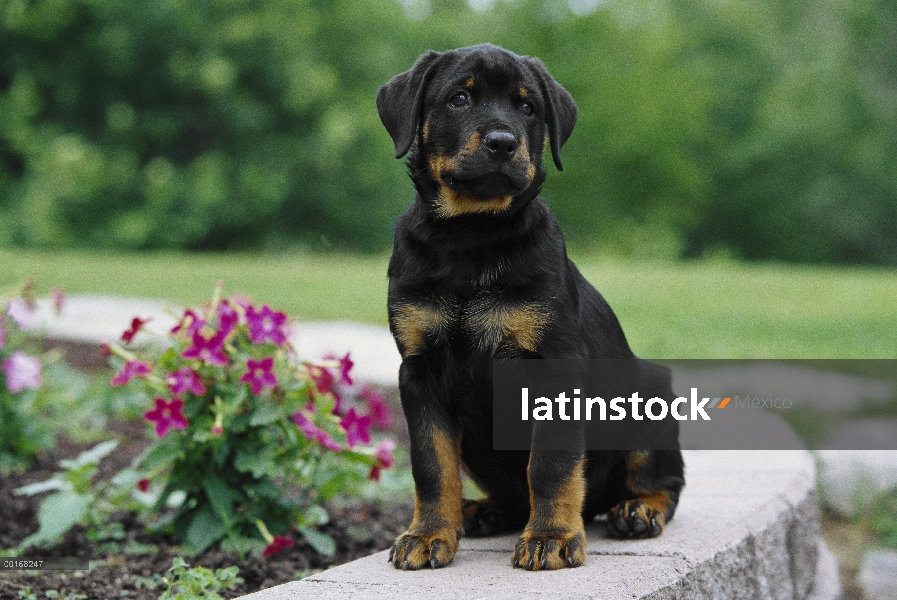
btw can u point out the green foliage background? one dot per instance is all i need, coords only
(763, 129)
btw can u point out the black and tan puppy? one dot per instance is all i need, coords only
(480, 271)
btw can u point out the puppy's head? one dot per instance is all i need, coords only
(479, 116)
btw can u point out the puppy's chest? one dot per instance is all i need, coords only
(484, 320)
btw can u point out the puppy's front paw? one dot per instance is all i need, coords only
(416, 550)
(550, 549)
(635, 519)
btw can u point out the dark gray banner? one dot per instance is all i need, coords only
(634, 404)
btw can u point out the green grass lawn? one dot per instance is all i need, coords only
(668, 310)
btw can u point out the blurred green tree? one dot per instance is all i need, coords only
(765, 129)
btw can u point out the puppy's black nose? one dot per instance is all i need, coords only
(501, 145)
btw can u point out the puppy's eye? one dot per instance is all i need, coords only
(527, 108)
(460, 99)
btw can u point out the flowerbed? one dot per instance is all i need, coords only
(253, 459)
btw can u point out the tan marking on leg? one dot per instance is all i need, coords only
(426, 131)
(555, 536)
(436, 527)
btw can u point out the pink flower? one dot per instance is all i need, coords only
(266, 325)
(22, 372)
(58, 299)
(210, 351)
(357, 428)
(21, 312)
(105, 349)
(383, 453)
(143, 485)
(385, 459)
(345, 365)
(275, 547)
(190, 323)
(311, 432)
(259, 375)
(185, 379)
(377, 407)
(2, 335)
(132, 369)
(136, 324)
(322, 378)
(228, 318)
(167, 416)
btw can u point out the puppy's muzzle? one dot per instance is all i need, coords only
(501, 145)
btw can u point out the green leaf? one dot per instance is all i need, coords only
(320, 541)
(266, 412)
(258, 463)
(221, 497)
(205, 529)
(58, 513)
(90, 457)
(162, 454)
(42, 486)
(315, 516)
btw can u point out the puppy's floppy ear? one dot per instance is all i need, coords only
(399, 101)
(560, 110)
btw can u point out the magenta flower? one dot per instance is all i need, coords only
(2, 335)
(210, 351)
(58, 299)
(143, 485)
(136, 325)
(22, 372)
(275, 547)
(21, 312)
(357, 428)
(385, 459)
(311, 432)
(383, 453)
(167, 416)
(191, 324)
(322, 378)
(377, 407)
(131, 369)
(266, 325)
(105, 349)
(228, 318)
(185, 379)
(345, 365)
(259, 375)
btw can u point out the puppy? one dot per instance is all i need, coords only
(479, 271)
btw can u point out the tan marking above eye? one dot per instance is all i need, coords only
(468, 83)
(522, 91)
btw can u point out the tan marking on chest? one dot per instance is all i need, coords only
(491, 323)
(412, 324)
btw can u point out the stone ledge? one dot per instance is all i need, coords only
(747, 527)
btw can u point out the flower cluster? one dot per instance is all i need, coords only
(21, 377)
(241, 425)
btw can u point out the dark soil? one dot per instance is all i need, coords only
(133, 569)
